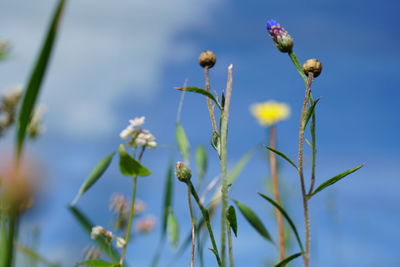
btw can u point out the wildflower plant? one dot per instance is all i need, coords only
(310, 70)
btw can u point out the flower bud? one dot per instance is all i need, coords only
(182, 172)
(312, 66)
(207, 59)
(283, 41)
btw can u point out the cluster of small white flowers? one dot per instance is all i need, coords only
(100, 231)
(140, 137)
(145, 138)
(120, 242)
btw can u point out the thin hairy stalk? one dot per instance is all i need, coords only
(131, 213)
(306, 255)
(206, 217)
(209, 102)
(193, 226)
(230, 248)
(275, 189)
(224, 177)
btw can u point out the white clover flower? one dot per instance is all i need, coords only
(130, 129)
(120, 242)
(125, 133)
(101, 231)
(140, 137)
(138, 121)
(145, 138)
(97, 231)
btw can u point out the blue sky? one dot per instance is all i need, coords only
(121, 59)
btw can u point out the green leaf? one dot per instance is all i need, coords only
(87, 225)
(231, 216)
(130, 166)
(254, 220)
(168, 193)
(287, 260)
(37, 75)
(310, 112)
(201, 162)
(232, 175)
(202, 92)
(98, 263)
(183, 142)
(173, 229)
(335, 179)
(282, 155)
(34, 255)
(94, 175)
(285, 214)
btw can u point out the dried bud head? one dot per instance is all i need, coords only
(207, 59)
(183, 173)
(312, 66)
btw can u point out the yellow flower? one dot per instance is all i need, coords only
(270, 112)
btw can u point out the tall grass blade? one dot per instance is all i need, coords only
(38, 73)
(183, 142)
(94, 175)
(285, 214)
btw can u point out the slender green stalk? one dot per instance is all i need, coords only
(193, 226)
(206, 217)
(131, 215)
(314, 152)
(209, 102)
(230, 248)
(10, 237)
(296, 63)
(131, 212)
(275, 189)
(306, 255)
(223, 162)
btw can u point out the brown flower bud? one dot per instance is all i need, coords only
(207, 59)
(312, 66)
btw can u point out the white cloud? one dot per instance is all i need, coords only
(108, 50)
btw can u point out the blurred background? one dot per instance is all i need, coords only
(115, 60)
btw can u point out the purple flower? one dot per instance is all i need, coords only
(283, 41)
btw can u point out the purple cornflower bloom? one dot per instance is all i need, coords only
(283, 41)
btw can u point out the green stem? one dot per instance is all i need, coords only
(223, 162)
(314, 152)
(209, 102)
(131, 215)
(193, 226)
(306, 254)
(10, 237)
(230, 248)
(206, 217)
(296, 63)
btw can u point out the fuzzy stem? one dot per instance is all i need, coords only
(193, 227)
(306, 255)
(230, 249)
(131, 212)
(275, 189)
(206, 217)
(223, 161)
(209, 102)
